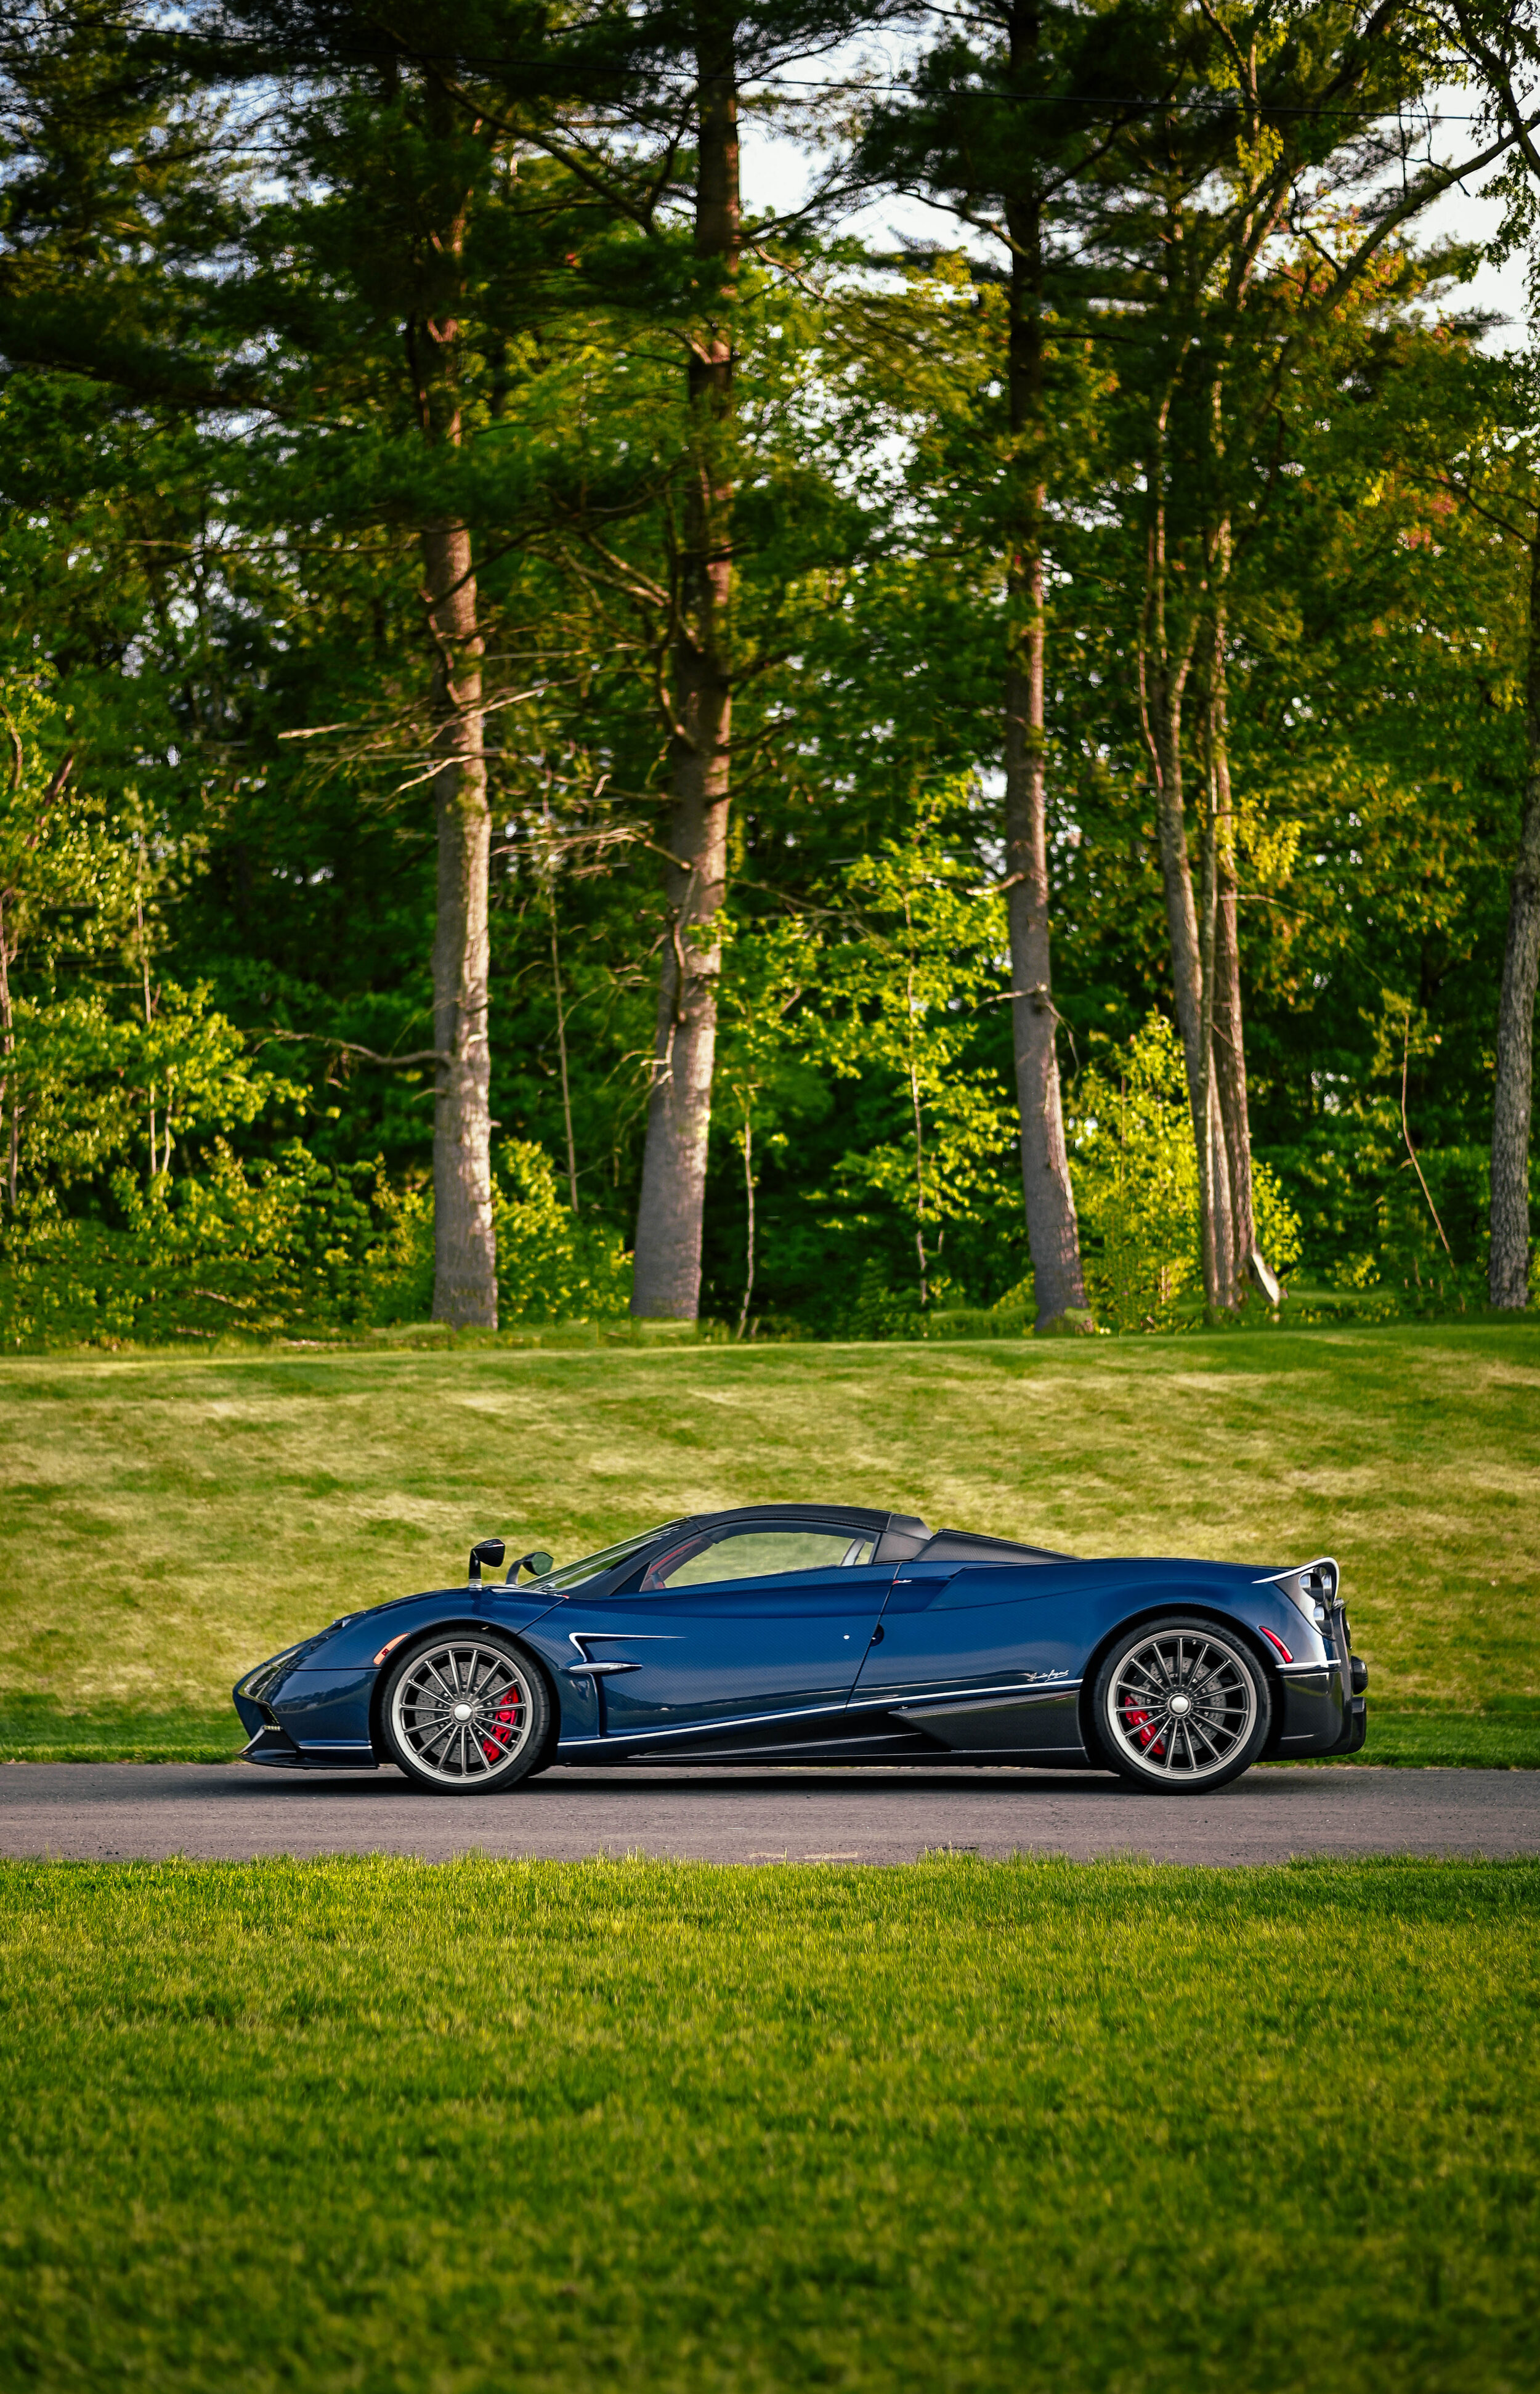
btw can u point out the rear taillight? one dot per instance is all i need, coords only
(1311, 1589)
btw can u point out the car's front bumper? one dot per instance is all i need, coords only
(273, 1745)
(309, 1720)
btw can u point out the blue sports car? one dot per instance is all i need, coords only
(822, 1633)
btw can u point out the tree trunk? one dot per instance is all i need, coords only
(1229, 1054)
(1187, 974)
(1213, 1189)
(1053, 1231)
(1230, 1069)
(667, 1280)
(1509, 1270)
(464, 1251)
(9, 1104)
(748, 1192)
(1163, 677)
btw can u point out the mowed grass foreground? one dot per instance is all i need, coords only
(166, 1523)
(385, 2126)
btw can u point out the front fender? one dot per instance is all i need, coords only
(326, 1699)
(358, 1637)
(456, 1619)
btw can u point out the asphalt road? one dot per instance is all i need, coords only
(128, 1811)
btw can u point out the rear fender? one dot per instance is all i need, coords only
(1202, 1609)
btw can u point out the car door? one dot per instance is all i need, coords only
(958, 1629)
(750, 1623)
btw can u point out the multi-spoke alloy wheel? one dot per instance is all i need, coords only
(465, 1713)
(1179, 1706)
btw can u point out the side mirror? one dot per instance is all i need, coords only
(491, 1550)
(538, 1564)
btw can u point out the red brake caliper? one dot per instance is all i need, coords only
(504, 1722)
(1145, 1727)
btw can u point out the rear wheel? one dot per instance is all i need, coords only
(464, 1713)
(1181, 1707)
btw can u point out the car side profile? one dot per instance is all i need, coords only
(787, 1634)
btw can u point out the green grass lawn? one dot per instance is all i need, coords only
(387, 2126)
(166, 1522)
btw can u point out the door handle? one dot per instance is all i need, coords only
(878, 1635)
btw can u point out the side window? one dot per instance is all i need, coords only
(748, 1553)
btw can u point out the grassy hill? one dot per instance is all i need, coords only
(166, 1521)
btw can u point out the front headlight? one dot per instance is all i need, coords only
(266, 1674)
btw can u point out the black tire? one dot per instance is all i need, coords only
(1181, 1705)
(466, 1712)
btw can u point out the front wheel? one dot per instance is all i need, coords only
(464, 1713)
(1180, 1707)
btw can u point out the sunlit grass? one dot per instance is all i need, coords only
(956, 2125)
(164, 1522)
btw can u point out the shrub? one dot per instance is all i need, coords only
(258, 1248)
(286, 1243)
(1136, 1179)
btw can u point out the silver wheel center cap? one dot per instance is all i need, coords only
(1180, 1704)
(462, 1712)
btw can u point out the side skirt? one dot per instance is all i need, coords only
(1038, 1728)
(1040, 1731)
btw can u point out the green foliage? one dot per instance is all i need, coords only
(898, 995)
(1135, 1183)
(1136, 1179)
(95, 1083)
(68, 878)
(102, 1063)
(258, 329)
(879, 1312)
(1279, 1228)
(282, 1243)
(765, 1074)
(552, 1266)
(1373, 1220)
(663, 2124)
(289, 1243)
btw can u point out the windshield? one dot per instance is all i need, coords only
(572, 1574)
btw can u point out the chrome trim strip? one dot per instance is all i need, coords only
(1298, 1570)
(711, 1728)
(581, 1638)
(942, 1707)
(1024, 1691)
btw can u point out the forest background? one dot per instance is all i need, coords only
(554, 722)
